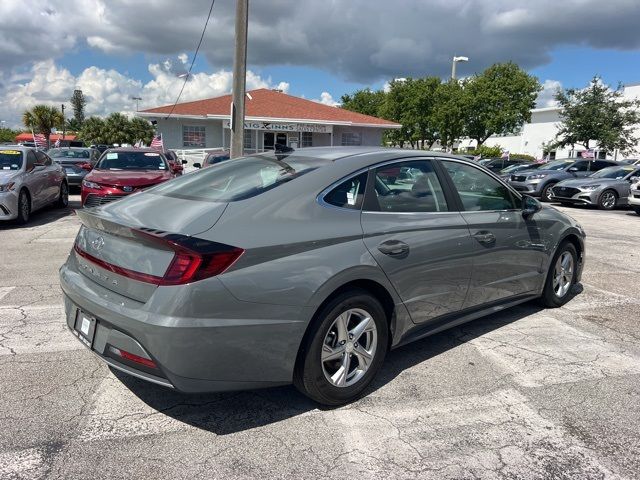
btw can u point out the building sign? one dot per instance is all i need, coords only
(284, 127)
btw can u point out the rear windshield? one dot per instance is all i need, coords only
(237, 179)
(62, 153)
(10, 159)
(131, 161)
(615, 172)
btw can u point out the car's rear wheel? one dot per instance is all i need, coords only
(545, 195)
(607, 200)
(344, 349)
(63, 196)
(561, 277)
(24, 207)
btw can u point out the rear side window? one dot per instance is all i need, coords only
(599, 165)
(581, 166)
(237, 179)
(411, 186)
(349, 194)
(478, 190)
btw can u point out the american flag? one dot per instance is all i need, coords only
(157, 142)
(588, 153)
(505, 154)
(40, 140)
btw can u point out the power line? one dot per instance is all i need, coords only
(195, 55)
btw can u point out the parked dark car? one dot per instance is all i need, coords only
(306, 267)
(497, 164)
(177, 165)
(77, 162)
(213, 158)
(539, 182)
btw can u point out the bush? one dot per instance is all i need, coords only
(488, 152)
(523, 156)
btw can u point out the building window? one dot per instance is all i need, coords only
(351, 139)
(193, 136)
(248, 139)
(306, 139)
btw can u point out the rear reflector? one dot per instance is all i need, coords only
(132, 357)
(194, 259)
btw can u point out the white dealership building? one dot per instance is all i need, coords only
(542, 129)
(272, 117)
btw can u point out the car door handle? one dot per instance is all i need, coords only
(393, 248)
(485, 237)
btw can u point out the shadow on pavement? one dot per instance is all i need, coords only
(43, 216)
(225, 413)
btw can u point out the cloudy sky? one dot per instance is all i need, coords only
(117, 49)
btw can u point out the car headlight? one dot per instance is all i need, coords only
(7, 187)
(88, 184)
(589, 187)
(536, 176)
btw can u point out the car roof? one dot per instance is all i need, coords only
(131, 149)
(337, 154)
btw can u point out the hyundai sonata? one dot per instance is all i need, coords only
(306, 267)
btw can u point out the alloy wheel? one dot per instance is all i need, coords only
(349, 347)
(563, 274)
(64, 194)
(608, 200)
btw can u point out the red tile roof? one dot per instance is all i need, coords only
(28, 137)
(265, 103)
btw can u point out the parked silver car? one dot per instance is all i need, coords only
(606, 189)
(29, 180)
(307, 267)
(76, 161)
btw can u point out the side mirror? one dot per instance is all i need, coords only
(634, 179)
(572, 170)
(530, 206)
(184, 162)
(197, 165)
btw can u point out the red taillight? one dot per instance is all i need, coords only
(203, 260)
(84, 165)
(132, 357)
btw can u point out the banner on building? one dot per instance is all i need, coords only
(284, 127)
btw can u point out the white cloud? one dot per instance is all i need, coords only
(110, 91)
(546, 96)
(327, 99)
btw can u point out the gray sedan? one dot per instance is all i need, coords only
(29, 180)
(76, 161)
(606, 188)
(306, 267)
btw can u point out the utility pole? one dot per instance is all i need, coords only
(239, 79)
(64, 126)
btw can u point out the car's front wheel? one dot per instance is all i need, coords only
(63, 196)
(561, 277)
(607, 200)
(546, 193)
(344, 349)
(24, 207)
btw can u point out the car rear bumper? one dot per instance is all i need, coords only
(8, 205)
(245, 346)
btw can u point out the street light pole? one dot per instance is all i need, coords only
(137, 99)
(239, 79)
(453, 65)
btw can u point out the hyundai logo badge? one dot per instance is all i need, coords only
(97, 243)
(127, 188)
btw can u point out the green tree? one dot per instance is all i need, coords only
(395, 107)
(449, 113)
(499, 100)
(600, 114)
(8, 135)
(72, 125)
(93, 131)
(140, 129)
(78, 102)
(42, 118)
(116, 128)
(366, 101)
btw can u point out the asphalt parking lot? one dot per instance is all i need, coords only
(528, 393)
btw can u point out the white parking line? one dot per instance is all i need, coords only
(541, 350)
(431, 438)
(22, 464)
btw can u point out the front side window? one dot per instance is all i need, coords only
(193, 136)
(599, 165)
(411, 186)
(31, 160)
(349, 194)
(478, 190)
(581, 166)
(351, 139)
(43, 159)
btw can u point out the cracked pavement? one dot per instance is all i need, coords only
(526, 393)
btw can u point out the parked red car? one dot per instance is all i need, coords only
(123, 171)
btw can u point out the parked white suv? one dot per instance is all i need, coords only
(634, 195)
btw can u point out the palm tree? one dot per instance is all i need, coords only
(42, 118)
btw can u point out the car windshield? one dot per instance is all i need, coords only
(558, 165)
(131, 161)
(237, 179)
(10, 159)
(72, 153)
(616, 172)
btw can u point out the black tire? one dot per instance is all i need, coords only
(309, 375)
(63, 196)
(566, 204)
(637, 210)
(549, 297)
(545, 195)
(24, 207)
(604, 200)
